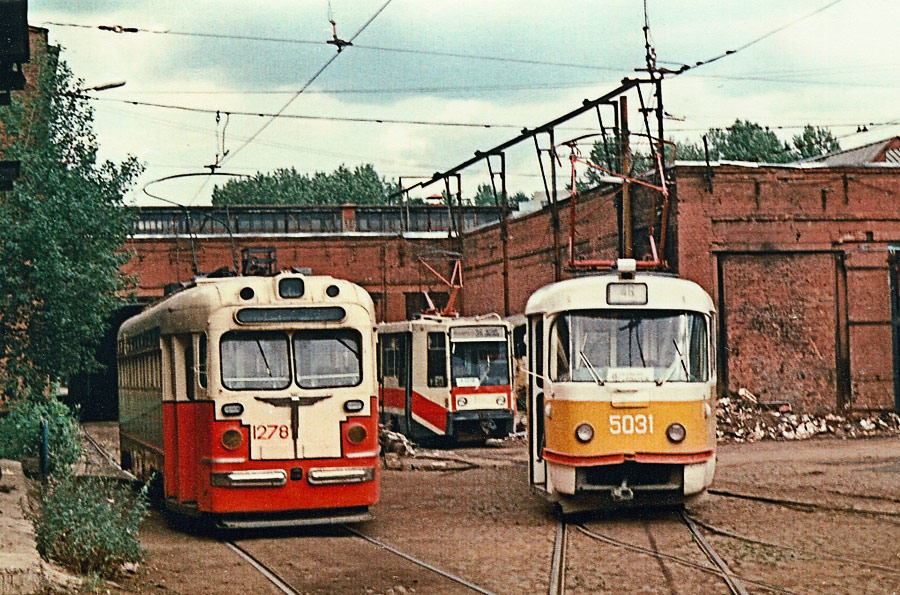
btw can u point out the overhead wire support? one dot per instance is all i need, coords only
(527, 133)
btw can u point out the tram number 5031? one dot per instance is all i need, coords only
(631, 424)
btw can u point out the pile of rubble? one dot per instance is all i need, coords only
(743, 419)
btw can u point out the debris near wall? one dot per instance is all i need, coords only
(396, 443)
(742, 418)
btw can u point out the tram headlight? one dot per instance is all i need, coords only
(356, 434)
(353, 406)
(232, 409)
(676, 432)
(232, 439)
(501, 401)
(584, 432)
(462, 402)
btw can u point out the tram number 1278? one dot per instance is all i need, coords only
(631, 424)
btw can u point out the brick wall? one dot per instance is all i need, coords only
(796, 260)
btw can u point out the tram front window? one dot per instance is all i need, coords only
(479, 363)
(328, 359)
(255, 360)
(630, 346)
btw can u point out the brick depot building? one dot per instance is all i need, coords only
(801, 261)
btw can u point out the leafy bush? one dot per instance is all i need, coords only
(20, 432)
(90, 524)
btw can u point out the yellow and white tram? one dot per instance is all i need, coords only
(447, 377)
(621, 398)
(255, 400)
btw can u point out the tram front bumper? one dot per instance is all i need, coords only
(492, 423)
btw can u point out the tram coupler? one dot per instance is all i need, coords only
(488, 426)
(622, 493)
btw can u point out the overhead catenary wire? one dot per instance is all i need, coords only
(308, 83)
(753, 42)
(281, 114)
(413, 51)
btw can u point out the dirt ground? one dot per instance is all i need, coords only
(813, 516)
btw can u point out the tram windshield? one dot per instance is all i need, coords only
(479, 363)
(630, 346)
(255, 360)
(327, 359)
(261, 360)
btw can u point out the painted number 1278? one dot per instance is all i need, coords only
(270, 431)
(631, 424)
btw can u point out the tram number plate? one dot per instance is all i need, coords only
(631, 424)
(270, 431)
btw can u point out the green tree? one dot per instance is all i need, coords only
(748, 141)
(484, 196)
(360, 186)
(815, 142)
(62, 228)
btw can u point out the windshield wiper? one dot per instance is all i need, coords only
(265, 361)
(672, 369)
(591, 368)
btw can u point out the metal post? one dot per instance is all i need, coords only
(44, 448)
(554, 210)
(627, 232)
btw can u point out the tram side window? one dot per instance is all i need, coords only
(437, 360)
(189, 370)
(255, 360)
(698, 359)
(328, 359)
(393, 358)
(201, 360)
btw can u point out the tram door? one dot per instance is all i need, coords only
(894, 271)
(537, 468)
(396, 385)
(181, 448)
(404, 374)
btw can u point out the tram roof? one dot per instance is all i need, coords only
(664, 292)
(434, 321)
(195, 302)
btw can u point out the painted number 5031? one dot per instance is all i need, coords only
(631, 424)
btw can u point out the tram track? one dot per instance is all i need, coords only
(717, 566)
(284, 586)
(808, 505)
(272, 575)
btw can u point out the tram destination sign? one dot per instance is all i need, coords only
(478, 333)
(626, 294)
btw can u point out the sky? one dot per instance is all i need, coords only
(426, 83)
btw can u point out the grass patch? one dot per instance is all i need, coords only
(89, 524)
(20, 432)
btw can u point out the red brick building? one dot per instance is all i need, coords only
(801, 260)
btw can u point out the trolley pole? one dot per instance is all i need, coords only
(627, 232)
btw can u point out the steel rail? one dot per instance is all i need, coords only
(268, 573)
(802, 504)
(106, 455)
(558, 564)
(264, 570)
(734, 583)
(684, 562)
(418, 562)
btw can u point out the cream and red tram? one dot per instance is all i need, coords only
(447, 377)
(621, 398)
(255, 400)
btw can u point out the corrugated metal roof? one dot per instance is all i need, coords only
(882, 151)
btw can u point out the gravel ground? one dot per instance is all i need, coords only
(480, 521)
